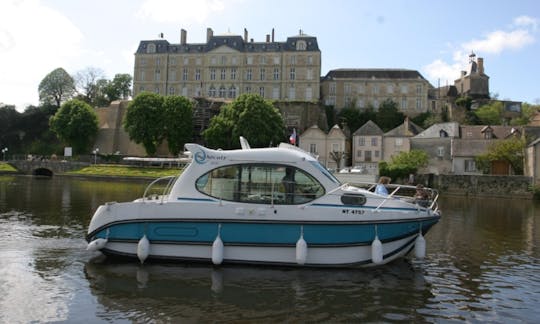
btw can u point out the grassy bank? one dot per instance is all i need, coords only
(4, 167)
(125, 171)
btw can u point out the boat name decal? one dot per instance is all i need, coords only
(352, 211)
(201, 157)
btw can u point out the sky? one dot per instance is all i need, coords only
(430, 36)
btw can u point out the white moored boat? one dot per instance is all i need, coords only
(275, 206)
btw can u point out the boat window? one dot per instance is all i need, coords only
(353, 199)
(325, 171)
(260, 184)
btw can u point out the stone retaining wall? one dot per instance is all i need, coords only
(480, 185)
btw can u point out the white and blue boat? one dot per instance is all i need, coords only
(275, 206)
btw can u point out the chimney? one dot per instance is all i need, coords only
(209, 34)
(245, 35)
(481, 65)
(272, 35)
(406, 125)
(183, 35)
(268, 38)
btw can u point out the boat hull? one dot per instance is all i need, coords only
(345, 244)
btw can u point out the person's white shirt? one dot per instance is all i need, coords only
(381, 190)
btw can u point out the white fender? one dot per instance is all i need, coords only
(376, 251)
(301, 250)
(143, 249)
(217, 251)
(420, 247)
(97, 244)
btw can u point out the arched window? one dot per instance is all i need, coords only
(260, 184)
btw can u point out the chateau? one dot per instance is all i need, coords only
(226, 66)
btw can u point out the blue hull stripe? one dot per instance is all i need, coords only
(271, 234)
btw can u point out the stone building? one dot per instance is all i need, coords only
(398, 139)
(320, 144)
(473, 82)
(436, 141)
(225, 66)
(367, 147)
(364, 88)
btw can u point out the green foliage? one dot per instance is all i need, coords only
(490, 114)
(510, 150)
(76, 124)
(97, 91)
(249, 116)
(356, 118)
(144, 121)
(388, 116)
(57, 87)
(330, 116)
(178, 122)
(404, 164)
(527, 113)
(464, 102)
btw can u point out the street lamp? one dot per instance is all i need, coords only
(95, 155)
(4, 150)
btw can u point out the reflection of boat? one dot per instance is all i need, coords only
(264, 206)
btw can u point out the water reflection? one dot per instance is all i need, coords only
(198, 292)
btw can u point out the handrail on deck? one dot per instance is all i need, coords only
(166, 190)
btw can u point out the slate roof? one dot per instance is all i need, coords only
(373, 73)
(407, 129)
(451, 129)
(478, 132)
(369, 128)
(233, 41)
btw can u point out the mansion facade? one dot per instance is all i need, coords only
(226, 66)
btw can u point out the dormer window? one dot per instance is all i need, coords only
(301, 45)
(151, 48)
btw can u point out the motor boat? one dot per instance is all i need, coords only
(269, 206)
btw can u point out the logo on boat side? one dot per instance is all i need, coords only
(201, 157)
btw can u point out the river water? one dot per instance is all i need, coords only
(482, 265)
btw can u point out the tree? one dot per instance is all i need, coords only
(338, 156)
(404, 164)
(76, 124)
(57, 87)
(86, 82)
(356, 118)
(119, 87)
(490, 114)
(178, 122)
(388, 116)
(249, 116)
(527, 113)
(144, 121)
(510, 150)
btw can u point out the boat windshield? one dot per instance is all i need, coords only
(260, 184)
(324, 171)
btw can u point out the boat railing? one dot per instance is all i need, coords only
(404, 192)
(156, 190)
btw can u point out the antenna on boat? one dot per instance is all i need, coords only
(244, 143)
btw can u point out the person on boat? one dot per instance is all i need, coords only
(289, 185)
(381, 186)
(421, 197)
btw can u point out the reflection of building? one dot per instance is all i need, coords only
(363, 88)
(226, 66)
